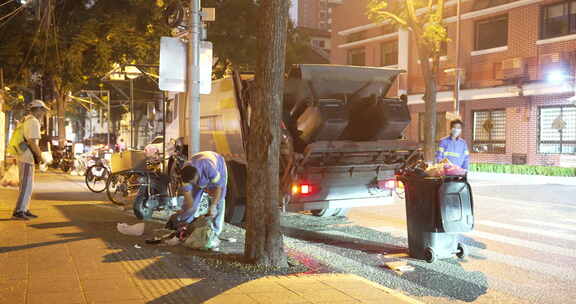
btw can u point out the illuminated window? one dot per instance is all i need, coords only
(557, 130)
(489, 131)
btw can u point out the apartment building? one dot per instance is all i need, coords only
(518, 60)
(314, 18)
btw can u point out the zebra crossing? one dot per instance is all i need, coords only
(526, 256)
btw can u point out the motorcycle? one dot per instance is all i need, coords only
(159, 191)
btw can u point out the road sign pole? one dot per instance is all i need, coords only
(193, 78)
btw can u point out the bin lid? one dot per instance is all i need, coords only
(323, 81)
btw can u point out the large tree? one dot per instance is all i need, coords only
(424, 20)
(264, 243)
(234, 34)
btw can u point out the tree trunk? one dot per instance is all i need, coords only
(61, 111)
(430, 106)
(264, 243)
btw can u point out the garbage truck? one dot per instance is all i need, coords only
(341, 137)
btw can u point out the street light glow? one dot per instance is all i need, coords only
(556, 76)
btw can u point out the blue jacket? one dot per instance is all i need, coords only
(456, 151)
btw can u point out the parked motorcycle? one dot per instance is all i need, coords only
(161, 190)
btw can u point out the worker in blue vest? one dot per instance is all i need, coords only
(453, 147)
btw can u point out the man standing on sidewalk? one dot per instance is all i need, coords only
(27, 156)
(453, 147)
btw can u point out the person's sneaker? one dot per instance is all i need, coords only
(30, 214)
(21, 216)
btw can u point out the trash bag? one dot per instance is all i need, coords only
(10, 178)
(202, 235)
(133, 230)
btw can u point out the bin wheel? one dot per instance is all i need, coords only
(429, 255)
(462, 251)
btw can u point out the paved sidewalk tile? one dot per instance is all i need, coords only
(74, 255)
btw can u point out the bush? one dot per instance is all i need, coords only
(523, 169)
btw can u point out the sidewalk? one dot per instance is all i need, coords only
(72, 254)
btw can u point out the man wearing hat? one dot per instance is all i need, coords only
(28, 157)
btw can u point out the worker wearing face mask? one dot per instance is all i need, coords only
(453, 147)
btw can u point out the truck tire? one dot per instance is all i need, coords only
(330, 212)
(235, 194)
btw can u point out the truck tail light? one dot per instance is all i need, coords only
(391, 184)
(302, 189)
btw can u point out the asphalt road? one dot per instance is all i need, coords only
(523, 249)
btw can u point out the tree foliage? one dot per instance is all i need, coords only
(86, 38)
(424, 19)
(234, 35)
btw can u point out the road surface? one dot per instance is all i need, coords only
(523, 249)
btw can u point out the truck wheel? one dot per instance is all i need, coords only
(330, 212)
(429, 255)
(235, 194)
(462, 251)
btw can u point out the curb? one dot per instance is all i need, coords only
(522, 179)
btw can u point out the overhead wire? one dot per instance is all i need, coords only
(1, 5)
(16, 11)
(32, 45)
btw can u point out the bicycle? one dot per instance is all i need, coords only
(96, 176)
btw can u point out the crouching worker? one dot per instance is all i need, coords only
(204, 172)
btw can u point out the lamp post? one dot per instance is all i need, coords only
(193, 78)
(131, 72)
(457, 69)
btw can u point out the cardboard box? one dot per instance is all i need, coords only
(128, 160)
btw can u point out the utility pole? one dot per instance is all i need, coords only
(457, 71)
(132, 141)
(193, 78)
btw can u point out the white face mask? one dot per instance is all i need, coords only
(456, 132)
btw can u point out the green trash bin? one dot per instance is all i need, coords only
(438, 209)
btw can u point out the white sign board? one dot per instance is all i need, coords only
(206, 61)
(173, 65)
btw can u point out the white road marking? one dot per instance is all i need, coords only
(511, 201)
(553, 225)
(569, 252)
(539, 231)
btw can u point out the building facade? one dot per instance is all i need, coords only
(517, 60)
(314, 17)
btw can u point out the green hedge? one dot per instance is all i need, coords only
(523, 169)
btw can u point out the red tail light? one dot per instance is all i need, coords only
(391, 184)
(302, 189)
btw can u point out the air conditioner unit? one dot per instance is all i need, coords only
(513, 68)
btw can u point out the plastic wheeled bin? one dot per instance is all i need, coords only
(438, 209)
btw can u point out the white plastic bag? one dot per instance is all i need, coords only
(134, 230)
(10, 178)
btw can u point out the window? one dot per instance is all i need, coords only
(389, 53)
(557, 130)
(558, 19)
(489, 131)
(357, 57)
(491, 33)
(440, 126)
